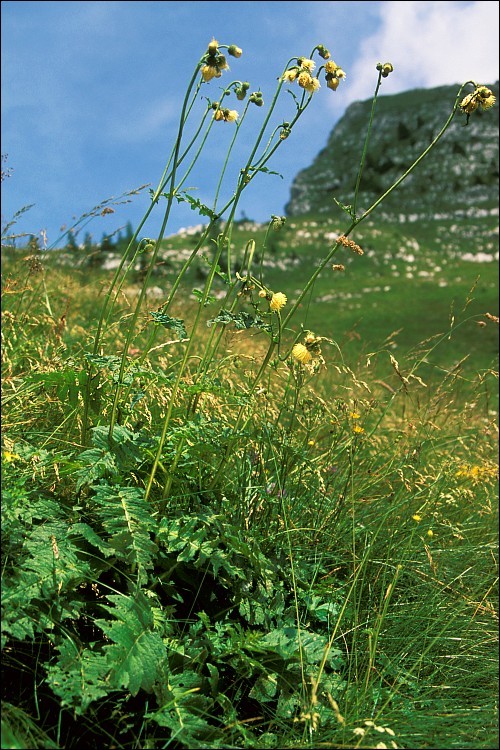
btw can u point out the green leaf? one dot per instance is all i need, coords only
(127, 518)
(241, 320)
(78, 677)
(174, 324)
(138, 651)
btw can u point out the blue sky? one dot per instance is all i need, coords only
(91, 91)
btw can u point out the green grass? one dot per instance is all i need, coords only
(308, 540)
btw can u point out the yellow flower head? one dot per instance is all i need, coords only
(307, 82)
(469, 103)
(417, 518)
(480, 97)
(290, 75)
(430, 533)
(210, 71)
(301, 353)
(231, 115)
(278, 301)
(331, 67)
(213, 46)
(332, 83)
(357, 429)
(306, 64)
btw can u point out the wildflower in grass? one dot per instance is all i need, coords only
(277, 302)
(417, 518)
(235, 51)
(301, 353)
(307, 82)
(357, 429)
(311, 443)
(338, 267)
(476, 473)
(354, 415)
(430, 533)
(9, 457)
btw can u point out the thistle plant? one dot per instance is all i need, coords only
(225, 535)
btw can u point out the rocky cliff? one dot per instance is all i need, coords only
(459, 177)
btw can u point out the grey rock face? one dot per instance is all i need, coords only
(460, 177)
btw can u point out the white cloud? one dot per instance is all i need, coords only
(430, 44)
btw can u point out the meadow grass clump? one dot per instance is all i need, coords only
(220, 530)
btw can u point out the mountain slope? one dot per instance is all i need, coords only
(460, 177)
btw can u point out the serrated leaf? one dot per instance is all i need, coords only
(174, 324)
(78, 677)
(242, 320)
(138, 651)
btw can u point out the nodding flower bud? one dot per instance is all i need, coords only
(235, 51)
(332, 82)
(384, 69)
(245, 85)
(323, 52)
(240, 93)
(213, 47)
(277, 222)
(256, 98)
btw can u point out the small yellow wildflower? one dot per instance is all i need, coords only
(354, 415)
(290, 75)
(210, 71)
(306, 64)
(213, 46)
(417, 518)
(357, 429)
(480, 97)
(307, 82)
(226, 115)
(331, 67)
(301, 353)
(278, 301)
(430, 533)
(9, 457)
(311, 443)
(469, 103)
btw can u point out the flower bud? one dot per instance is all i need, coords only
(235, 51)
(323, 52)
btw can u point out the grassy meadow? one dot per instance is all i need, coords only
(250, 482)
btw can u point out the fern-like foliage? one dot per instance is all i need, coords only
(128, 521)
(131, 659)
